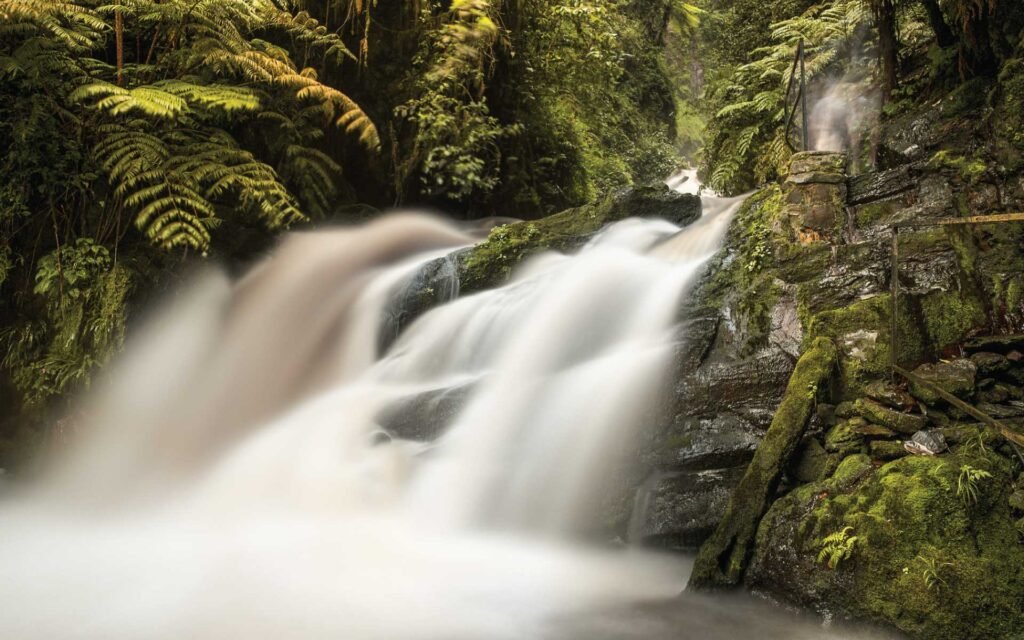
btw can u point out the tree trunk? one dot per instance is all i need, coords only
(944, 35)
(888, 45)
(119, 40)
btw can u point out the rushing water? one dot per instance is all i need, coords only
(236, 478)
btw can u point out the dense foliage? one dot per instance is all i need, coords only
(137, 134)
(868, 44)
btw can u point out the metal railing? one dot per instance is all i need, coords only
(800, 100)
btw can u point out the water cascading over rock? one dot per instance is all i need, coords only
(240, 475)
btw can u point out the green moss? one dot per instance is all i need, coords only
(491, 262)
(909, 521)
(969, 169)
(950, 316)
(723, 556)
(869, 214)
(745, 275)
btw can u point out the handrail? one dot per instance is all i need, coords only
(800, 101)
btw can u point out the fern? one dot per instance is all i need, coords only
(967, 483)
(837, 547)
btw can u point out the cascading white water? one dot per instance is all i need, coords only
(232, 479)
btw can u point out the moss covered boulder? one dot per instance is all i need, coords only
(925, 544)
(490, 263)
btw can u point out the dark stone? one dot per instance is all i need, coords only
(879, 414)
(436, 283)
(811, 461)
(724, 440)
(425, 416)
(990, 364)
(995, 344)
(679, 510)
(1013, 409)
(888, 394)
(872, 187)
(956, 377)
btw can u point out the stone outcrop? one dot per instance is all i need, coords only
(723, 556)
(815, 193)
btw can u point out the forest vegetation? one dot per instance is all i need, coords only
(141, 136)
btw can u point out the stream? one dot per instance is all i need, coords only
(248, 469)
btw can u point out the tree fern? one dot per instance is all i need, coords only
(72, 24)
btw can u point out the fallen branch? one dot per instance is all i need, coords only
(998, 427)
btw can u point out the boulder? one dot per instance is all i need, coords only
(903, 520)
(990, 364)
(722, 558)
(678, 510)
(888, 394)
(956, 377)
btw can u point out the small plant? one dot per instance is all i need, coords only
(967, 483)
(931, 574)
(976, 443)
(837, 547)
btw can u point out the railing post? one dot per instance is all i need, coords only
(803, 95)
(895, 284)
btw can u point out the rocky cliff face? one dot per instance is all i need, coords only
(865, 522)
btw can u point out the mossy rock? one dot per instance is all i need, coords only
(930, 563)
(877, 413)
(722, 558)
(490, 263)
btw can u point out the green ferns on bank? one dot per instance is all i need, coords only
(168, 117)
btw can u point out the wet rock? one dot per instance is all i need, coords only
(872, 187)
(956, 377)
(786, 331)
(990, 364)
(811, 461)
(926, 443)
(886, 450)
(751, 384)
(1013, 409)
(697, 443)
(425, 416)
(879, 414)
(842, 438)
(697, 334)
(888, 394)
(722, 558)
(682, 508)
(436, 283)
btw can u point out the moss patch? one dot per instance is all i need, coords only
(928, 562)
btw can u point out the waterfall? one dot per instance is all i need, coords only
(241, 474)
